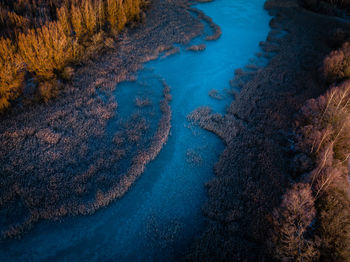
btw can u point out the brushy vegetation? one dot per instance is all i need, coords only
(300, 233)
(313, 220)
(337, 64)
(256, 211)
(70, 158)
(11, 73)
(329, 7)
(291, 222)
(332, 2)
(112, 170)
(45, 37)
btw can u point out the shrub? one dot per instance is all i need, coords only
(334, 222)
(336, 65)
(112, 9)
(117, 14)
(122, 19)
(48, 90)
(78, 21)
(11, 73)
(45, 47)
(67, 73)
(100, 8)
(325, 136)
(46, 51)
(90, 17)
(342, 3)
(64, 20)
(289, 240)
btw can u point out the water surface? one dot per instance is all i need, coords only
(160, 215)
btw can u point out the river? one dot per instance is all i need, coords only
(161, 214)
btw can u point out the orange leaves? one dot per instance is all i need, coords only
(11, 73)
(46, 50)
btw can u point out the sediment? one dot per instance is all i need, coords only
(255, 169)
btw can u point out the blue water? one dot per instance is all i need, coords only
(160, 215)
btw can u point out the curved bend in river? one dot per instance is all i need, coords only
(82, 152)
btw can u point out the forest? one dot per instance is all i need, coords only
(44, 40)
(313, 221)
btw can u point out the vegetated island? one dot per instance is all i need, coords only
(281, 191)
(58, 154)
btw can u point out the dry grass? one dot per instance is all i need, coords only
(64, 161)
(69, 188)
(216, 34)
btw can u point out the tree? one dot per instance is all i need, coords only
(291, 221)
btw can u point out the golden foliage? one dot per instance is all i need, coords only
(11, 73)
(90, 17)
(121, 15)
(46, 50)
(63, 19)
(112, 10)
(45, 47)
(48, 90)
(78, 21)
(100, 8)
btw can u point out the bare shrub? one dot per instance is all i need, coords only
(324, 134)
(48, 90)
(336, 65)
(77, 21)
(326, 124)
(116, 15)
(289, 240)
(90, 17)
(334, 223)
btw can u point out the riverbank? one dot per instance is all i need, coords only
(256, 167)
(55, 158)
(161, 213)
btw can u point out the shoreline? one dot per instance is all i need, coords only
(255, 172)
(51, 149)
(255, 169)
